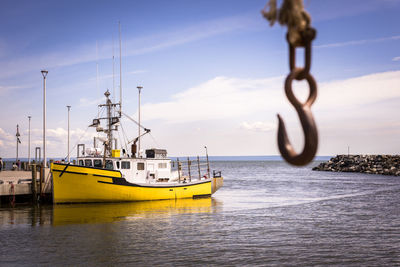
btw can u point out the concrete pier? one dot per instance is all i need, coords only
(16, 186)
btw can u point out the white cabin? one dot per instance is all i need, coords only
(155, 167)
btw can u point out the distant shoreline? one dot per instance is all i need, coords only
(211, 158)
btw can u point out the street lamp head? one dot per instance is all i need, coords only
(29, 117)
(44, 73)
(139, 88)
(68, 107)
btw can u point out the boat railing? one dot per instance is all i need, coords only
(191, 169)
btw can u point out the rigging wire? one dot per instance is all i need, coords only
(80, 138)
(99, 113)
(124, 135)
(154, 140)
(97, 72)
(120, 140)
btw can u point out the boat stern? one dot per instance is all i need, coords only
(217, 181)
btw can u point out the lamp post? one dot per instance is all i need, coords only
(69, 107)
(29, 141)
(44, 74)
(18, 141)
(139, 89)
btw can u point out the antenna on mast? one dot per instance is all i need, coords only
(113, 64)
(120, 71)
(97, 73)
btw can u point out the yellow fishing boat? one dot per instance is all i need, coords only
(104, 175)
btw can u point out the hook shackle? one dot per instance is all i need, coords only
(307, 122)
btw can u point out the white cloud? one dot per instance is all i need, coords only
(359, 42)
(358, 91)
(219, 98)
(4, 89)
(6, 139)
(258, 126)
(361, 111)
(84, 102)
(396, 59)
(227, 98)
(60, 134)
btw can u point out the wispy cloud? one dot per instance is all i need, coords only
(396, 59)
(56, 141)
(226, 98)
(359, 91)
(6, 138)
(116, 75)
(189, 34)
(354, 108)
(131, 46)
(219, 98)
(4, 89)
(84, 102)
(359, 42)
(258, 126)
(329, 10)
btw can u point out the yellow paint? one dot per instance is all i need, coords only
(116, 153)
(111, 212)
(83, 184)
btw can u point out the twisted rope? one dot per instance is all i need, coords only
(292, 14)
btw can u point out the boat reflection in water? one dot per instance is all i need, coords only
(111, 212)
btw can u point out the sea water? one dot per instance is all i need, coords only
(267, 213)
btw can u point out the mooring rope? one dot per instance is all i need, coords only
(291, 14)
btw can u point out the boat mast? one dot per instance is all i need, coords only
(109, 118)
(112, 123)
(120, 71)
(112, 118)
(139, 89)
(113, 68)
(97, 74)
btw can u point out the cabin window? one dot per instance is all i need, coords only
(97, 163)
(125, 165)
(81, 163)
(88, 162)
(117, 162)
(162, 165)
(140, 166)
(109, 165)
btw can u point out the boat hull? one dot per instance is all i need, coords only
(79, 184)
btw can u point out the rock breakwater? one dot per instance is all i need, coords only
(373, 164)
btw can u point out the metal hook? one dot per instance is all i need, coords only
(306, 119)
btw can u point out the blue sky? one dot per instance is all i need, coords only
(212, 73)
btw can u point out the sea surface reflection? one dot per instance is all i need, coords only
(267, 213)
(113, 212)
